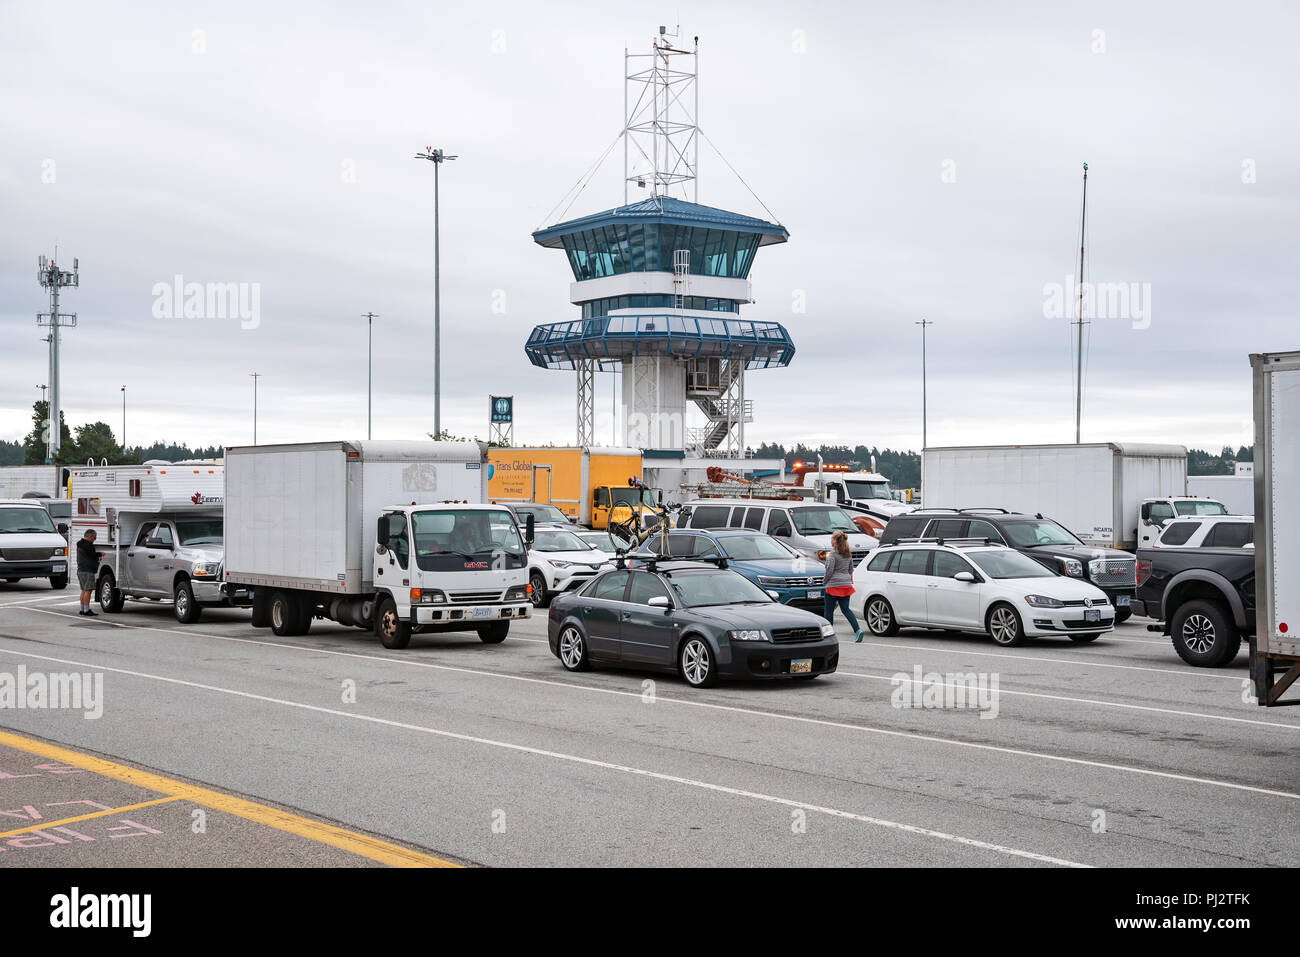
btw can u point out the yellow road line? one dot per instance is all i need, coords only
(359, 844)
(86, 817)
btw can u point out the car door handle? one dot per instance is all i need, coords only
(626, 616)
(587, 609)
(932, 585)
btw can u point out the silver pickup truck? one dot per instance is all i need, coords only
(168, 558)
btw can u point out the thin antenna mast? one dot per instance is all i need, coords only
(660, 127)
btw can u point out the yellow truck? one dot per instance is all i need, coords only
(583, 483)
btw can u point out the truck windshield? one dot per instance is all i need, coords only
(1200, 508)
(19, 519)
(862, 489)
(821, 520)
(1029, 534)
(633, 497)
(453, 539)
(206, 532)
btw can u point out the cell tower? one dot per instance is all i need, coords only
(53, 278)
(661, 107)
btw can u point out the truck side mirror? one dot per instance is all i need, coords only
(530, 528)
(381, 531)
(1146, 512)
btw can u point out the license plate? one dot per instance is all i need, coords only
(483, 613)
(814, 594)
(1122, 600)
(1092, 614)
(60, 568)
(800, 666)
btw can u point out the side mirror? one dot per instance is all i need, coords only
(661, 498)
(1146, 512)
(381, 531)
(63, 529)
(660, 601)
(530, 528)
(964, 577)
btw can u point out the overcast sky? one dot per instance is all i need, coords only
(924, 157)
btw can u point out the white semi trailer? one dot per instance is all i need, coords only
(388, 536)
(1275, 646)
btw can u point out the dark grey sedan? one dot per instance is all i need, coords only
(702, 622)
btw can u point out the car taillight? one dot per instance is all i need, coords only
(1143, 570)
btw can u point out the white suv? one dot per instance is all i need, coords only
(1208, 531)
(559, 561)
(977, 588)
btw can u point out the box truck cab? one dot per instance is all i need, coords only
(1156, 513)
(586, 483)
(30, 545)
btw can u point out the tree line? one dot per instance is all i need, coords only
(94, 440)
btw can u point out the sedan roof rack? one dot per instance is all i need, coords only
(955, 542)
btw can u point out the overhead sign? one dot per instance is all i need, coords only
(502, 408)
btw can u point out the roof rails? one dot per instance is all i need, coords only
(1002, 511)
(956, 542)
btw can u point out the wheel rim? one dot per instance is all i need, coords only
(1003, 625)
(571, 647)
(539, 590)
(182, 602)
(878, 617)
(277, 614)
(106, 592)
(695, 661)
(388, 623)
(1198, 634)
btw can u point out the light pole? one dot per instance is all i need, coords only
(437, 158)
(255, 376)
(370, 318)
(124, 420)
(923, 323)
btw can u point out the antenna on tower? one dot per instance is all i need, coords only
(661, 109)
(51, 277)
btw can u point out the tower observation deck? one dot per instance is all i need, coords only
(659, 284)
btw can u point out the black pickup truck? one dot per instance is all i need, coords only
(1203, 597)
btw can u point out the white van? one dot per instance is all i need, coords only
(804, 526)
(30, 545)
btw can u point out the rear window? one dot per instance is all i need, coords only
(754, 518)
(1177, 533)
(710, 516)
(1230, 535)
(902, 528)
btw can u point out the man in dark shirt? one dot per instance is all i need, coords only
(87, 568)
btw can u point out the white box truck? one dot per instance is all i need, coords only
(33, 481)
(1275, 646)
(1098, 490)
(388, 536)
(1235, 492)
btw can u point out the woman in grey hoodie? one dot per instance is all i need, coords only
(837, 585)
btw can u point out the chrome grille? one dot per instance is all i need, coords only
(808, 582)
(26, 554)
(1117, 573)
(474, 597)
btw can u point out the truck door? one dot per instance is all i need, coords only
(160, 559)
(136, 568)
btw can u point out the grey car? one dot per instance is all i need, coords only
(700, 621)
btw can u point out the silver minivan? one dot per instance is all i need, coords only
(804, 526)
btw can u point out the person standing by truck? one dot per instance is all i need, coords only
(87, 567)
(838, 582)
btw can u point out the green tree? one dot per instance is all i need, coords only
(95, 442)
(35, 442)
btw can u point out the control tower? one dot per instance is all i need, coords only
(659, 282)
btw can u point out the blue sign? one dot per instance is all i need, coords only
(502, 408)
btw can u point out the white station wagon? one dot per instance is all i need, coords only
(982, 589)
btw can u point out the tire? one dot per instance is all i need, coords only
(110, 599)
(13, 581)
(885, 624)
(187, 609)
(494, 633)
(1004, 625)
(572, 649)
(305, 609)
(57, 582)
(1084, 639)
(1122, 615)
(392, 631)
(1204, 634)
(697, 663)
(538, 597)
(283, 613)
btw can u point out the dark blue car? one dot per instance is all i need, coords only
(764, 560)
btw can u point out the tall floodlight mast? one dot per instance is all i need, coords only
(53, 278)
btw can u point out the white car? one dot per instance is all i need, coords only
(1208, 531)
(982, 589)
(559, 561)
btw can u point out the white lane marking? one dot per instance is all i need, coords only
(591, 762)
(801, 719)
(1105, 704)
(32, 600)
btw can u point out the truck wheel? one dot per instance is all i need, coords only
(1122, 615)
(284, 614)
(494, 633)
(538, 596)
(57, 582)
(1204, 634)
(392, 631)
(1004, 625)
(183, 603)
(306, 609)
(261, 609)
(110, 599)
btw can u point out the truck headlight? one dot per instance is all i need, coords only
(205, 569)
(61, 553)
(1072, 567)
(517, 593)
(427, 596)
(1042, 601)
(748, 635)
(1096, 567)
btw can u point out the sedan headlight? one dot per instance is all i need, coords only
(828, 630)
(1042, 601)
(1072, 567)
(206, 569)
(748, 635)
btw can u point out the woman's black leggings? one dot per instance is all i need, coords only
(830, 604)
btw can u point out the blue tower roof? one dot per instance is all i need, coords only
(668, 211)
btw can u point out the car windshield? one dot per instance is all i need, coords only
(1042, 532)
(473, 533)
(206, 532)
(1200, 508)
(602, 540)
(864, 489)
(1008, 564)
(753, 548)
(697, 589)
(633, 497)
(19, 519)
(541, 513)
(821, 520)
(559, 540)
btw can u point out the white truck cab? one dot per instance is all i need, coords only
(1156, 513)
